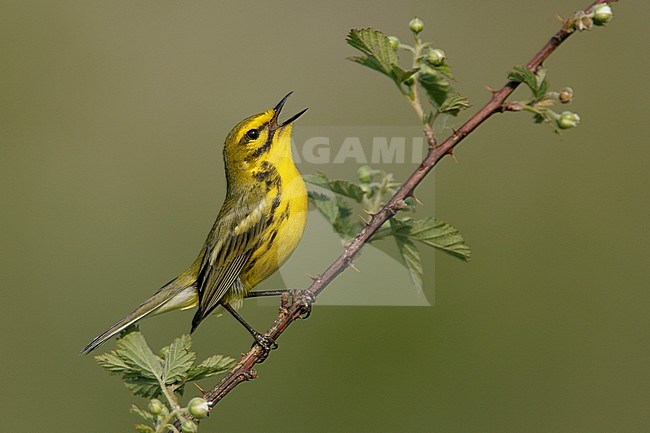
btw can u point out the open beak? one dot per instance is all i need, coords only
(273, 124)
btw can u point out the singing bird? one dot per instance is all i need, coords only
(258, 227)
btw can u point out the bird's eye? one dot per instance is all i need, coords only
(252, 134)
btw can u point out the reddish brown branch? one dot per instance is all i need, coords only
(289, 312)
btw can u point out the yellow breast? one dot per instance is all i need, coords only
(289, 216)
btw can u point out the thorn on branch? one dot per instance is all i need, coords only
(417, 200)
(314, 278)
(201, 390)
(491, 90)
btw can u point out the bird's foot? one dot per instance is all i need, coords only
(304, 298)
(266, 343)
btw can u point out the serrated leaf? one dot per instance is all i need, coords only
(400, 74)
(433, 232)
(454, 104)
(436, 86)
(345, 226)
(375, 45)
(369, 62)
(178, 360)
(522, 74)
(346, 189)
(215, 364)
(379, 54)
(141, 428)
(445, 70)
(319, 179)
(135, 352)
(536, 82)
(112, 362)
(147, 416)
(326, 204)
(142, 386)
(338, 186)
(411, 257)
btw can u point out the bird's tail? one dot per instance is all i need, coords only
(161, 301)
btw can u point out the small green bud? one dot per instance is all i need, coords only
(394, 42)
(188, 426)
(568, 120)
(198, 407)
(436, 57)
(364, 174)
(416, 25)
(155, 406)
(602, 14)
(566, 95)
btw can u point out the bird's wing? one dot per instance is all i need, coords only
(232, 240)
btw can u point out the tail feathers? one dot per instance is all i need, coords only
(151, 305)
(116, 328)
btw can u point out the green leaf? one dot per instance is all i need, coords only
(327, 205)
(337, 212)
(215, 364)
(141, 428)
(142, 386)
(522, 74)
(135, 351)
(445, 70)
(379, 54)
(376, 46)
(400, 75)
(346, 189)
(454, 104)
(339, 186)
(435, 233)
(536, 82)
(344, 225)
(411, 257)
(319, 179)
(141, 369)
(370, 63)
(147, 416)
(436, 86)
(131, 356)
(112, 362)
(143, 372)
(178, 360)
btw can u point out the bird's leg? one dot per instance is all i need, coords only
(265, 342)
(304, 296)
(265, 293)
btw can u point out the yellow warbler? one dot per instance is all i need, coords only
(258, 227)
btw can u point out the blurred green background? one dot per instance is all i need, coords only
(112, 117)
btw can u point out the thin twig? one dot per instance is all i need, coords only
(299, 306)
